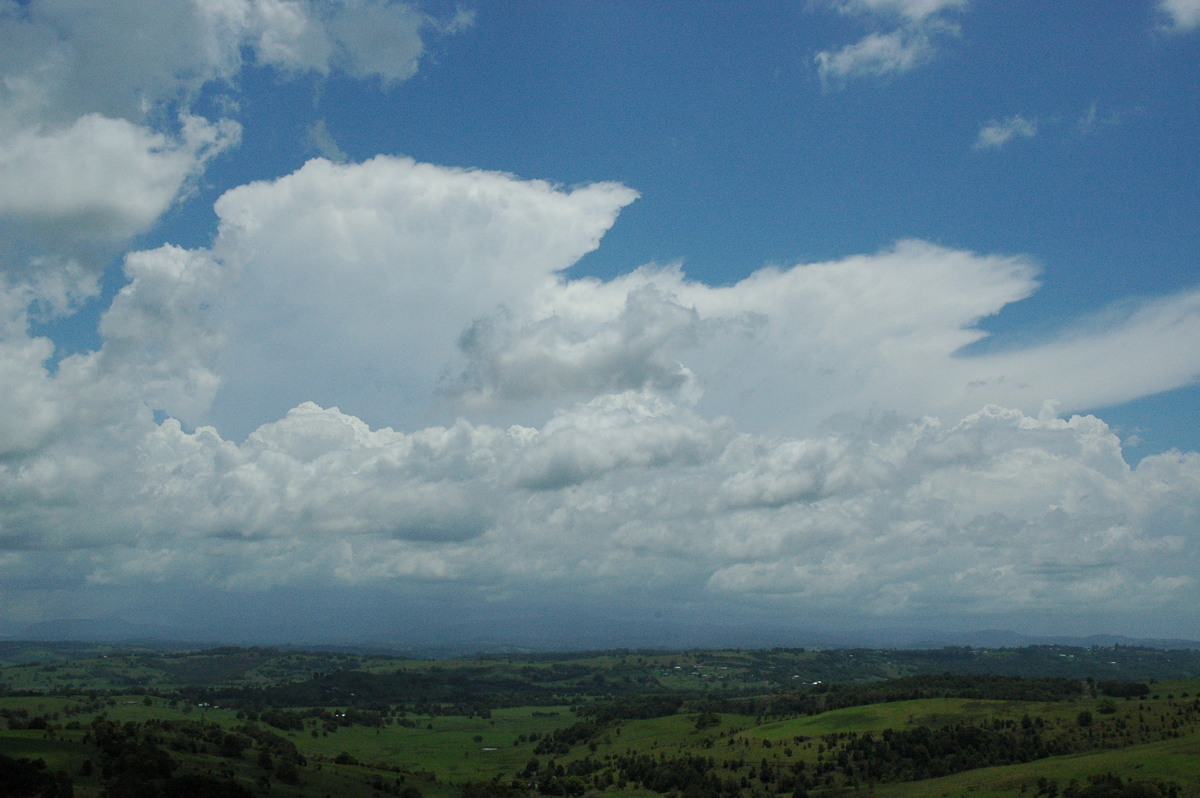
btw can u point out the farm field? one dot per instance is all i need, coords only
(257, 721)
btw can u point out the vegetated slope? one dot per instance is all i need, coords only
(730, 723)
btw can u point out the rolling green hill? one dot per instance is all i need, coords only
(254, 721)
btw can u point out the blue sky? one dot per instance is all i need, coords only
(882, 312)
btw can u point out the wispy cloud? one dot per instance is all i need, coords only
(1094, 120)
(997, 133)
(914, 26)
(1086, 124)
(324, 143)
(876, 54)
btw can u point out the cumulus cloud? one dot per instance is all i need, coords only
(996, 133)
(122, 59)
(1181, 15)
(96, 124)
(158, 354)
(911, 30)
(101, 177)
(985, 504)
(573, 352)
(407, 253)
(632, 495)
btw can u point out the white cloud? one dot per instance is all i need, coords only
(688, 454)
(95, 126)
(84, 190)
(847, 336)
(876, 54)
(103, 178)
(573, 352)
(158, 333)
(123, 57)
(470, 265)
(378, 39)
(408, 253)
(632, 491)
(1110, 359)
(627, 495)
(615, 432)
(118, 59)
(913, 27)
(364, 38)
(996, 133)
(1183, 15)
(158, 354)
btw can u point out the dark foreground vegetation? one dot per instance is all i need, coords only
(1038, 721)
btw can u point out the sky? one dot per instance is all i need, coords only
(600, 322)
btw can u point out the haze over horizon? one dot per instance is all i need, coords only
(618, 320)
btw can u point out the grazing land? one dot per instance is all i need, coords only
(146, 721)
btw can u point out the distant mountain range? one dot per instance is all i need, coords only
(108, 630)
(1000, 638)
(100, 630)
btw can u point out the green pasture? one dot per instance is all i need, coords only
(58, 753)
(1169, 760)
(932, 712)
(673, 729)
(1180, 688)
(447, 745)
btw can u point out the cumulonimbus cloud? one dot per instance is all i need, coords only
(663, 437)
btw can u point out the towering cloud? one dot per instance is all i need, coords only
(686, 455)
(388, 261)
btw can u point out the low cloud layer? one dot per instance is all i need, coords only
(626, 496)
